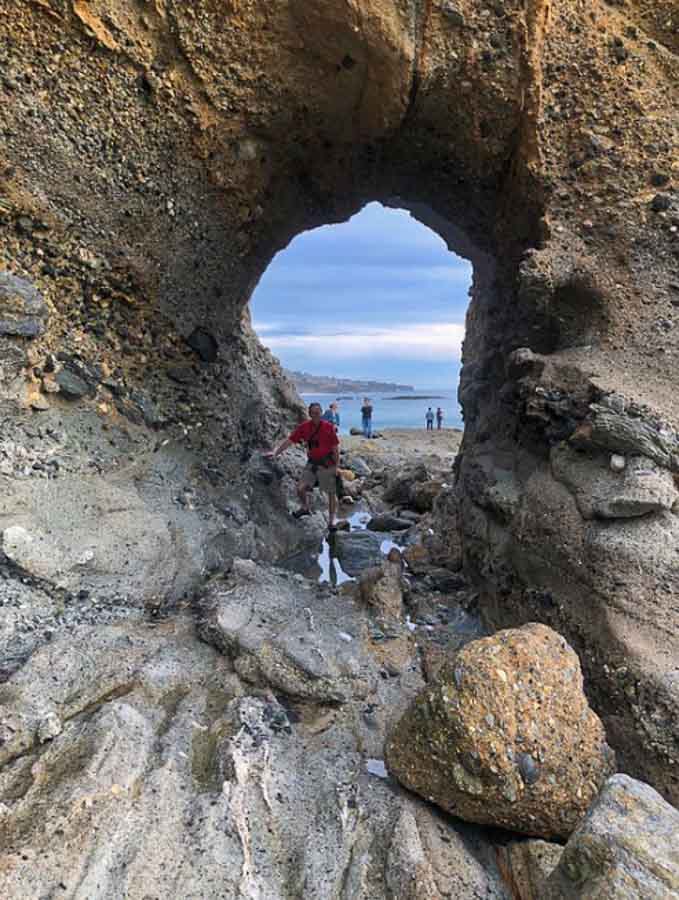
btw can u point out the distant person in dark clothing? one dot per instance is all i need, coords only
(332, 415)
(367, 418)
(439, 418)
(429, 419)
(322, 459)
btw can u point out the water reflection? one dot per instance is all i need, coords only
(320, 562)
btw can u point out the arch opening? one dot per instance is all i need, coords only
(378, 301)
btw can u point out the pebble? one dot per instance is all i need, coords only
(617, 462)
(660, 203)
(528, 768)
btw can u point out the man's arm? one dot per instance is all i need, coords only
(281, 448)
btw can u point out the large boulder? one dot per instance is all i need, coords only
(504, 736)
(627, 848)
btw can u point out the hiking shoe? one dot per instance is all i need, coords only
(298, 513)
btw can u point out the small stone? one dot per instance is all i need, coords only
(245, 568)
(617, 462)
(659, 179)
(25, 225)
(71, 386)
(528, 768)
(39, 403)
(49, 727)
(388, 522)
(180, 374)
(453, 14)
(660, 203)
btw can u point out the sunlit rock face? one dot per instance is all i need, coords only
(155, 156)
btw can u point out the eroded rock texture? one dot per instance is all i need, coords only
(136, 761)
(153, 158)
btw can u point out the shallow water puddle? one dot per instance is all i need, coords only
(323, 565)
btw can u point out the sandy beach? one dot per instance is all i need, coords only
(400, 445)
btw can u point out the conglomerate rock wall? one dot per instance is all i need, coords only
(154, 156)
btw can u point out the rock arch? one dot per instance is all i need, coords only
(166, 151)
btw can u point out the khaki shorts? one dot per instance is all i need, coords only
(322, 476)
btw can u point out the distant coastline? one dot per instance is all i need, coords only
(417, 397)
(327, 384)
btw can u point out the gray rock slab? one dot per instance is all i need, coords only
(276, 632)
(23, 311)
(358, 550)
(145, 769)
(89, 532)
(627, 848)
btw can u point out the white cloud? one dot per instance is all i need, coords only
(440, 341)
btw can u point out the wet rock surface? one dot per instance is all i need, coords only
(358, 550)
(504, 736)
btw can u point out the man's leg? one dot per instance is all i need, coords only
(370, 428)
(327, 482)
(364, 425)
(303, 494)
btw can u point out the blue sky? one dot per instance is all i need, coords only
(377, 297)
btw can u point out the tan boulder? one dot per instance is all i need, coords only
(504, 736)
(381, 588)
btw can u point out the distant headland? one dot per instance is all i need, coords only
(329, 384)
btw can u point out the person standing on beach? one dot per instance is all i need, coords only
(367, 418)
(332, 415)
(439, 418)
(322, 460)
(429, 419)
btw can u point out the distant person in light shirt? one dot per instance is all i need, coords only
(429, 419)
(439, 418)
(332, 415)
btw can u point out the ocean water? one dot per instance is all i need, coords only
(391, 413)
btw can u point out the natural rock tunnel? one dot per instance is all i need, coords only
(156, 155)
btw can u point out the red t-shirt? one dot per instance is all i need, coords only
(320, 439)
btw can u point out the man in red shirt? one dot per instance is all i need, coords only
(322, 459)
